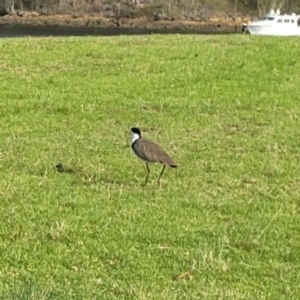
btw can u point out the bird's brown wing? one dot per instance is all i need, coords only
(154, 153)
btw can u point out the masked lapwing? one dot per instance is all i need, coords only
(150, 152)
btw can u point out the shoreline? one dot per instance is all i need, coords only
(99, 22)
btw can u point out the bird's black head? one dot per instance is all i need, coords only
(136, 131)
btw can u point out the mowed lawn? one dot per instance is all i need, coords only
(224, 225)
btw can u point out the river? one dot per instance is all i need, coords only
(10, 31)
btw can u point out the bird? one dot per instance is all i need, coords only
(61, 168)
(150, 152)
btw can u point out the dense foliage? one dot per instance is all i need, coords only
(190, 9)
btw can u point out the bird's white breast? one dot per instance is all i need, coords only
(134, 137)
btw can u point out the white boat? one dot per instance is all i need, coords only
(275, 24)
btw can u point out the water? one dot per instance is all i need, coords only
(9, 31)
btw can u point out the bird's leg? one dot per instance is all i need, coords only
(148, 171)
(162, 171)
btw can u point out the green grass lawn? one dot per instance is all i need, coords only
(226, 109)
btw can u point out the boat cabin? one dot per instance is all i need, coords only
(281, 19)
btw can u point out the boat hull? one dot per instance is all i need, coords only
(273, 30)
